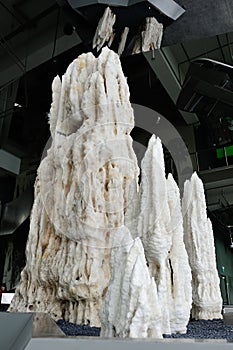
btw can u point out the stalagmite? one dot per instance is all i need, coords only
(81, 192)
(199, 242)
(160, 227)
(151, 37)
(94, 242)
(104, 31)
(153, 218)
(181, 273)
(131, 307)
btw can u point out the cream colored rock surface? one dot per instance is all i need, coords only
(81, 192)
(131, 307)
(104, 31)
(123, 41)
(151, 36)
(160, 227)
(199, 242)
(178, 259)
(152, 224)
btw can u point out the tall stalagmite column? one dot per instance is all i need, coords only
(81, 192)
(178, 259)
(154, 214)
(199, 242)
(162, 238)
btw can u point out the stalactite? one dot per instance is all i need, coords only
(104, 31)
(123, 41)
(150, 37)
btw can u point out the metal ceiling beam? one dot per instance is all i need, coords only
(9, 162)
(38, 57)
(20, 18)
(16, 212)
(218, 183)
(168, 8)
(40, 47)
(30, 23)
(165, 67)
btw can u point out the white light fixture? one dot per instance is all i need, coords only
(17, 105)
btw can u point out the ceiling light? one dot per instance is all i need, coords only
(17, 105)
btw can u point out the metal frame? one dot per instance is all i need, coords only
(168, 8)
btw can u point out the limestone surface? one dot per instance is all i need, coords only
(99, 251)
(82, 192)
(160, 227)
(131, 307)
(104, 31)
(199, 242)
(178, 260)
(150, 37)
(123, 41)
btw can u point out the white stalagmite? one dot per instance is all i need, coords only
(151, 37)
(87, 208)
(104, 31)
(181, 273)
(152, 224)
(160, 225)
(131, 307)
(199, 242)
(81, 192)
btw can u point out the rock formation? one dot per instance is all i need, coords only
(123, 41)
(81, 192)
(93, 237)
(150, 37)
(178, 260)
(131, 307)
(160, 227)
(199, 242)
(104, 31)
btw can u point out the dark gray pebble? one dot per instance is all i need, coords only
(206, 329)
(73, 329)
(202, 329)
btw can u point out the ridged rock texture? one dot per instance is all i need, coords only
(98, 247)
(149, 38)
(179, 263)
(160, 227)
(131, 307)
(199, 242)
(104, 31)
(82, 192)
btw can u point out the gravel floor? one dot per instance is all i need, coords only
(214, 329)
(74, 329)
